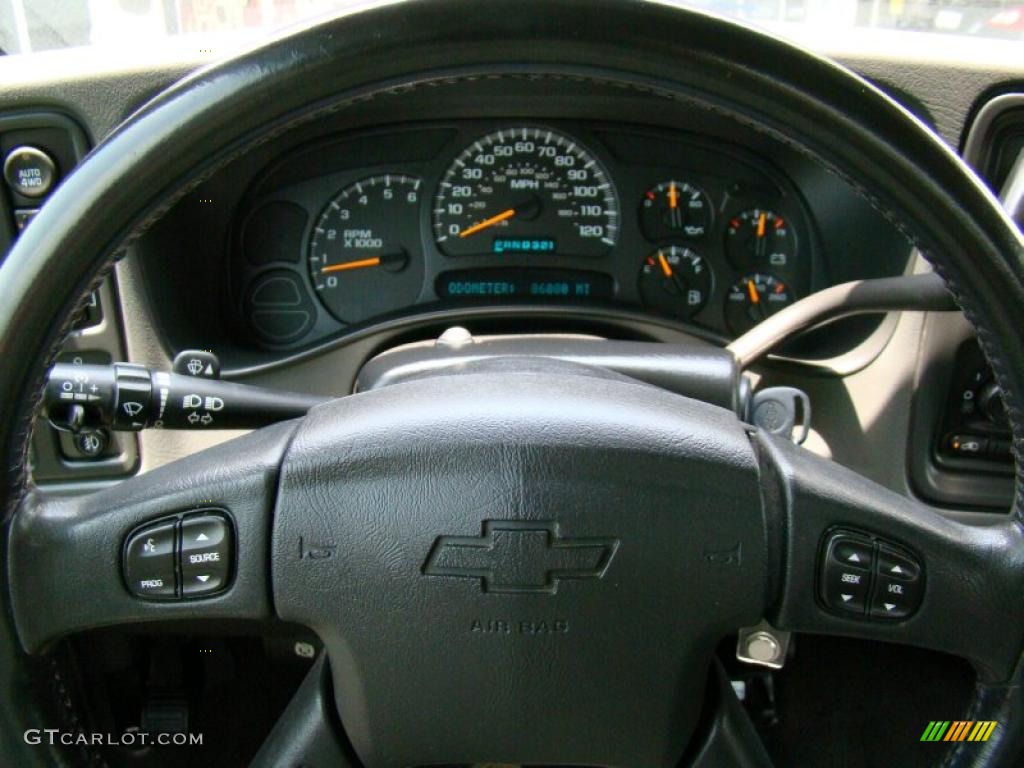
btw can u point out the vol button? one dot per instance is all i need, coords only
(895, 599)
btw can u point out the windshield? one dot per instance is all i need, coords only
(964, 30)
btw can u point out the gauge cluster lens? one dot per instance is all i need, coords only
(526, 191)
(364, 254)
(754, 298)
(675, 209)
(675, 281)
(517, 215)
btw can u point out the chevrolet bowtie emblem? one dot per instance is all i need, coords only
(517, 556)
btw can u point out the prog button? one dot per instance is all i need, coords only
(150, 562)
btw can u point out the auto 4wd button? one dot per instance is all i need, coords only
(206, 554)
(29, 171)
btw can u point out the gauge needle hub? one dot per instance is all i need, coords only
(482, 225)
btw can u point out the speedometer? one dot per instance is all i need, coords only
(526, 190)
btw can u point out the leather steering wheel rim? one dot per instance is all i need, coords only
(197, 126)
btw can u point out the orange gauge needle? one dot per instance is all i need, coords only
(664, 264)
(752, 292)
(673, 195)
(359, 264)
(488, 222)
(761, 221)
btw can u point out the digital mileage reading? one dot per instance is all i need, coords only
(548, 284)
(522, 190)
(523, 245)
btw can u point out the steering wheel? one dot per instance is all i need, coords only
(518, 563)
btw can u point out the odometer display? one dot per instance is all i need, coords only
(526, 191)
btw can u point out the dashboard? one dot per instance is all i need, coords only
(237, 265)
(508, 206)
(477, 212)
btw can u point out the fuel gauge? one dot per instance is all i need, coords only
(676, 281)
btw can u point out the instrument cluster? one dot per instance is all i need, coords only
(682, 228)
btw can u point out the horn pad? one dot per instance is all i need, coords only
(527, 567)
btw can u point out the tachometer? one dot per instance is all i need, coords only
(526, 191)
(364, 253)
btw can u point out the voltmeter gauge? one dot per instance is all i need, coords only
(675, 209)
(760, 238)
(676, 281)
(753, 299)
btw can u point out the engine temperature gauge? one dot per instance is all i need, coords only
(759, 237)
(676, 281)
(675, 209)
(753, 299)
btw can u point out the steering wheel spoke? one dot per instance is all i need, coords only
(860, 560)
(71, 569)
(307, 733)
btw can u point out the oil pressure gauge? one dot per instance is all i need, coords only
(675, 209)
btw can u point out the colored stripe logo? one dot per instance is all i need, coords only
(959, 730)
